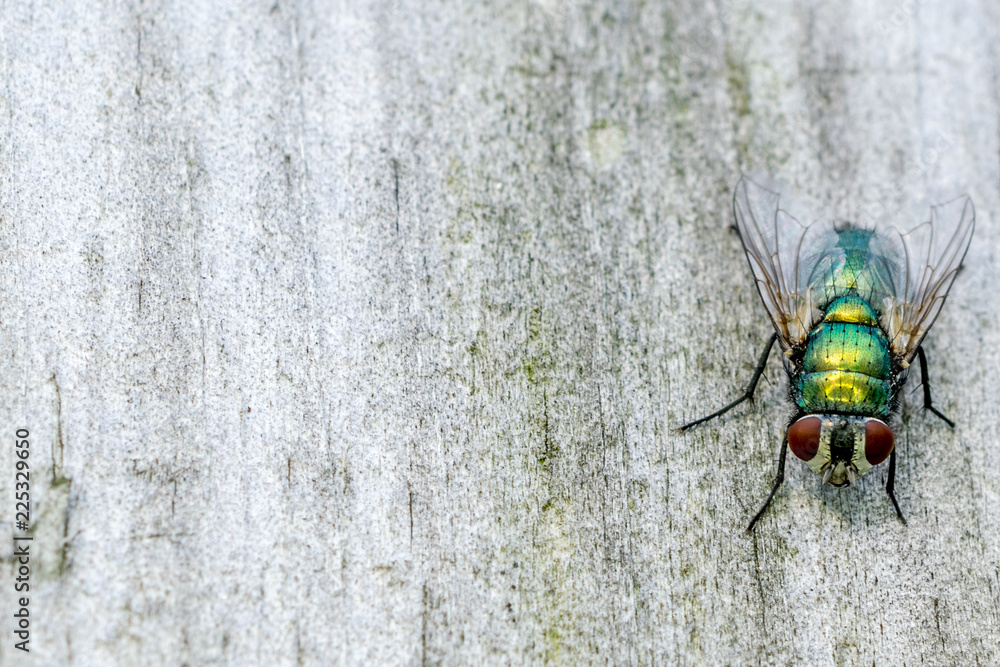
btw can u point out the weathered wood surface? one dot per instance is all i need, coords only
(357, 332)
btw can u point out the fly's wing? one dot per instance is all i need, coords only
(775, 242)
(934, 253)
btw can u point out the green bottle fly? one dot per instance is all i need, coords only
(850, 307)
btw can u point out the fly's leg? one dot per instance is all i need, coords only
(779, 478)
(925, 383)
(761, 363)
(890, 484)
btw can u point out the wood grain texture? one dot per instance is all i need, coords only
(357, 332)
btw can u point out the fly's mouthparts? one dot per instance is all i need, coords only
(827, 474)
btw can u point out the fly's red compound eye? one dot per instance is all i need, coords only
(803, 437)
(878, 441)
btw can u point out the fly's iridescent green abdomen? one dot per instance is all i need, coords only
(846, 367)
(850, 307)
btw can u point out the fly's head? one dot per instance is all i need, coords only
(840, 448)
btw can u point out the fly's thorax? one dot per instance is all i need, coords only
(857, 267)
(840, 448)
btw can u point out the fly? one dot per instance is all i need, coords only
(850, 308)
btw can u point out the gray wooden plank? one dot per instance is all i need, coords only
(358, 332)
